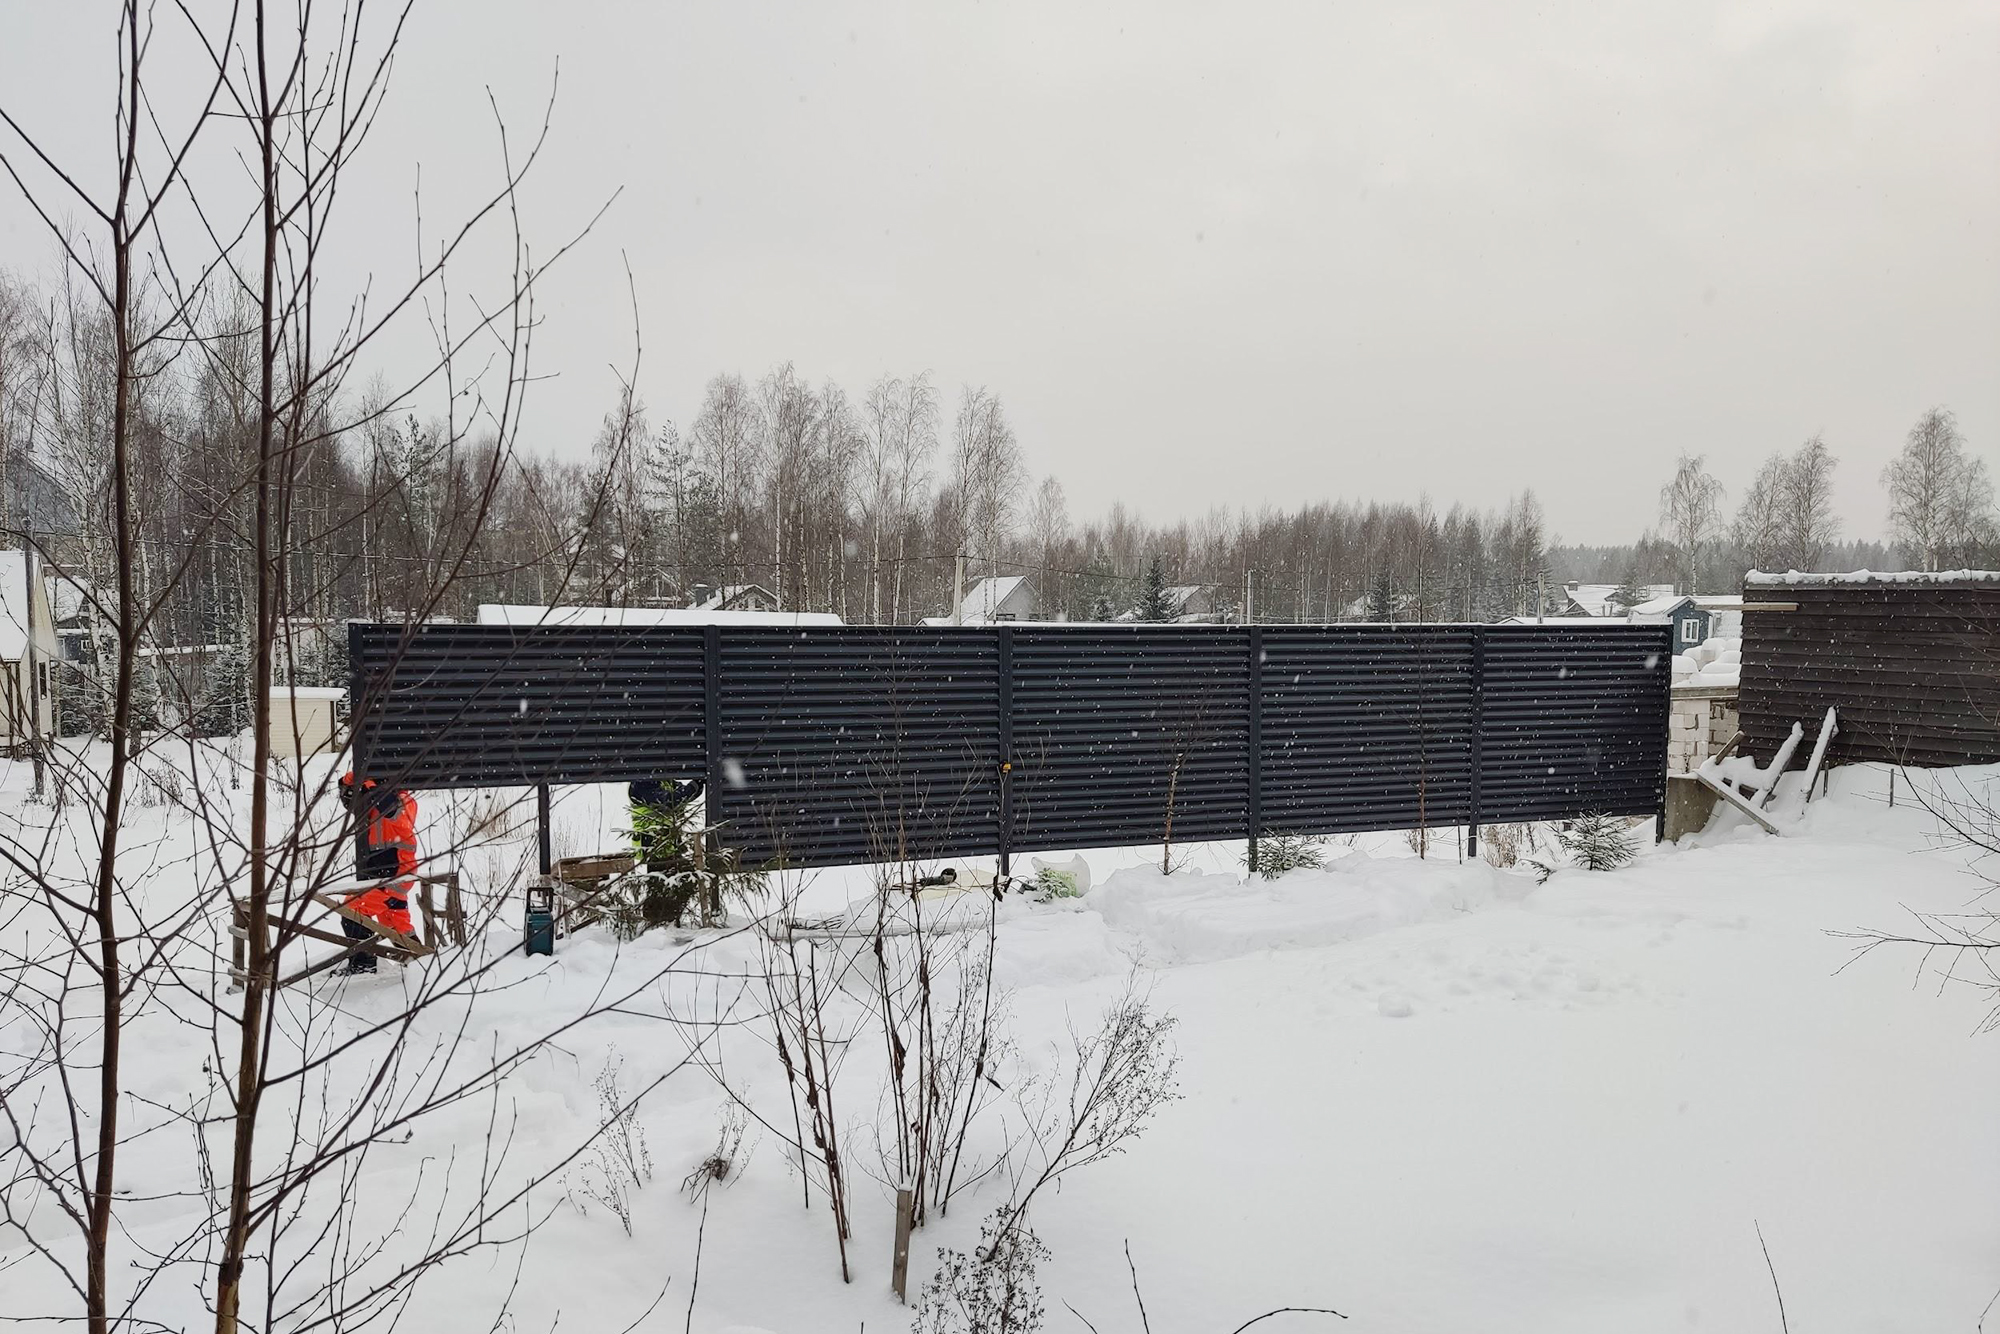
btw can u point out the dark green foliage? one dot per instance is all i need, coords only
(225, 704)
(1592, 843)
(1629, 594)
(669, 883)
(1279, 853)
(1381, 597)
(79, 703)
(1154, 604)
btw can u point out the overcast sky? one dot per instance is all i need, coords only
(1237, 254)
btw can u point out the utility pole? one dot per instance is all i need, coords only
(1249, 608)
(958, 589)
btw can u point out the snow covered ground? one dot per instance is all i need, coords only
(1435, 1096)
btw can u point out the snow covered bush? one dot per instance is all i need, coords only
(1279, 853)
(995, 1290)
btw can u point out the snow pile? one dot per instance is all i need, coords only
(1716, 661)
(1191, 917)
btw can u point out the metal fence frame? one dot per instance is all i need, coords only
(843, 744)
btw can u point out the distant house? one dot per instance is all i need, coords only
(1193, 603)
(1008, 597)
(28, 651)
(1601, 599)
(70, 602)
(733, 597)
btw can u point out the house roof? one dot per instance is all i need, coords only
(16, 609)
(513, 613)
(986, 596)
(69, 595)
(720, 598)
(1596, 599)
(1661, 606)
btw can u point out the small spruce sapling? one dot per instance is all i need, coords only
(1051, 884)
(1279, 853)
(1594, 842)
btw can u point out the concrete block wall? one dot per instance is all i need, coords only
(1699, 724)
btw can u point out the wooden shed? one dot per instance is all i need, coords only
(305, 720)
(1911, 661)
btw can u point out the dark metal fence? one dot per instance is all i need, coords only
(1912, 667)
(831, 745)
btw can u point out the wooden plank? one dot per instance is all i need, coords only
(387, 932)
(1777, 770)
(380, 948)
(1727, 791)
(1827, 729)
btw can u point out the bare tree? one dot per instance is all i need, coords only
(1940, 498)
(987, 473)
(1759, 529)
(1690, 506)
(1809, 522)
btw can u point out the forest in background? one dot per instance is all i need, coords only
(854, 502)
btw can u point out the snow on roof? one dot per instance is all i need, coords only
(69, 595)
(1804, 579)
(16, 610)
(720, 598)
(308, 692)
(986, 596)
(1659, 606)
(1597, 599)
(514, 613)
(1551, 620)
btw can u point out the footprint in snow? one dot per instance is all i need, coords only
(1394, 1006)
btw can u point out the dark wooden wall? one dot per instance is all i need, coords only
(1913, 668)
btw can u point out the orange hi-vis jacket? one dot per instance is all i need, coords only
(388, 832)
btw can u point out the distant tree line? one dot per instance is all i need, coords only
(853, 503)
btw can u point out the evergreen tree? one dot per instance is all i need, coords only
(1154, 604)
(1629, 594)
(225, 704)
(1381, 598)
(1592, 843)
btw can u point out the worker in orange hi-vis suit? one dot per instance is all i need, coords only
(387, 821)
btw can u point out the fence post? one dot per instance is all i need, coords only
(1006, 692)
(1478, 735)
(1255, 741)
(711, 726)
(1666, 728)
(543, 839)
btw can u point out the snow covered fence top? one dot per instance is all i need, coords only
(1911, 661)
(1852, 578)
(825, 745)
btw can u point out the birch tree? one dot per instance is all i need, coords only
(1940, 498)
(1690, 506)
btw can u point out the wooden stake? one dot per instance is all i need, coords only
(905, 1211)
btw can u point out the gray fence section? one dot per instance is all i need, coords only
(440, 706)
(857, 744)
(1913, 668)
(832, 745)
